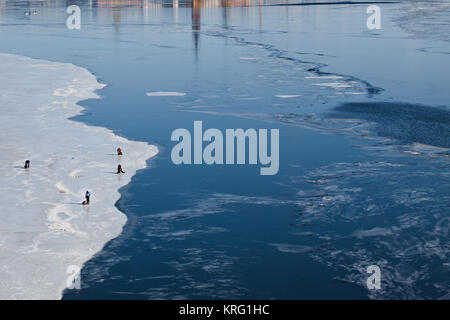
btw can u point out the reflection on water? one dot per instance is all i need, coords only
(121, 9)
(151, 3)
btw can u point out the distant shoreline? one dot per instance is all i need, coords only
(328, 3)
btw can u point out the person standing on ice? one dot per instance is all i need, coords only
(87, 196)
(119, 169)
(27, 164)
(119, 152)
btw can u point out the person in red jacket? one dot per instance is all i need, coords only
(119, 152)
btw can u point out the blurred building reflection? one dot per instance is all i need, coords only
(143, 3)
(118, 12)
(146, 3)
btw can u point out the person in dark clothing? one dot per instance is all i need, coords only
(119, 152)
(87, 196)
(27, 164)
(119, 169)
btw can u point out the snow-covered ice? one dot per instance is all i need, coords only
(44, 229)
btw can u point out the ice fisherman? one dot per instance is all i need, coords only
(119, 169)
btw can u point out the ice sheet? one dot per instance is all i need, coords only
(165, 94)
(44, 229)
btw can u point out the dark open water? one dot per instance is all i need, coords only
(364, 173)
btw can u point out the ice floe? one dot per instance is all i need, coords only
(45, 229)
(165, 94)
(287, 96)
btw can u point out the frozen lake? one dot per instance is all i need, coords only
(364, 137)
